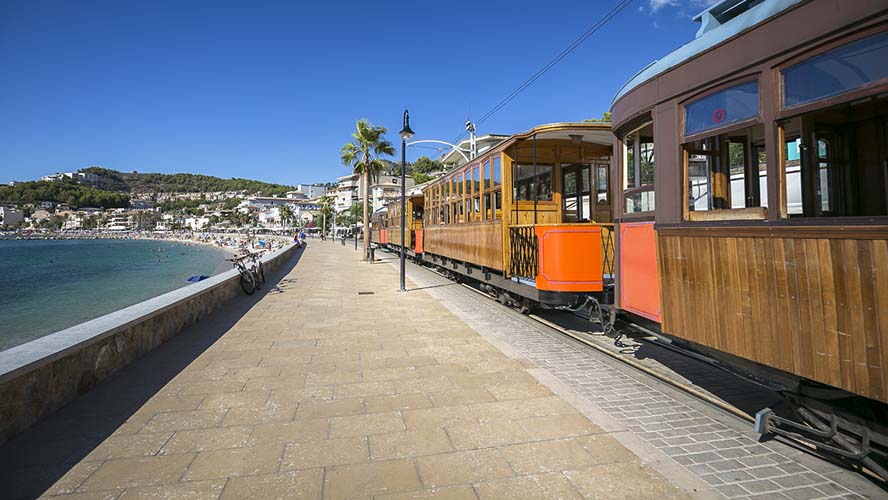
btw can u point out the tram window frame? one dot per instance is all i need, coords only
(477, 189)
(545, 177)
(634, 187)
(867, 89)
(846, 194)
(714, 150)
(496, 166)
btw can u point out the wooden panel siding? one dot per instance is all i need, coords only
(479, 243)
(813, 306)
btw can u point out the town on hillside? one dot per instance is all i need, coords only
(105, 201)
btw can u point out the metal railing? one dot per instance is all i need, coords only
(524, 249)
(607, 253)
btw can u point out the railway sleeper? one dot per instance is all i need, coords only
(856, 444)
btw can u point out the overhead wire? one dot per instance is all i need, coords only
(622, 4)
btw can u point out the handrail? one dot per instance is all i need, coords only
(524, 251)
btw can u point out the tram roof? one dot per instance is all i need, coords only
(589, 132)
(718, 23)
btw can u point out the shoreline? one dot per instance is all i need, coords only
(232, 244)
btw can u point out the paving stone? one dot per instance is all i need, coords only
(213, 464)
(472, 436)
(313, 454)
(448, 493)
(135, 472)
(547, 456)
(183, 420)
(207, 439)
(408, 444)
(363, 389)
(409, 401)
(288, 432)
(129, 446)
(536, 487)
(318, 408)
(297, 484)
(362, 425)
(639, 482)
(463, 467)
(377, 478)
(194, 490)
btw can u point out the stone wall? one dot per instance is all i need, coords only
(43, 375)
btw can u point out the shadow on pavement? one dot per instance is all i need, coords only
(36, 459)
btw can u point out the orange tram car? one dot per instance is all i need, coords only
(757, 237)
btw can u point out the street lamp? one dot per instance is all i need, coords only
(406, 135)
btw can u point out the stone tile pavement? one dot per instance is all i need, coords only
(666, 427)
(317, 389)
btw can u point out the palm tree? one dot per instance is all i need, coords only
(363, 156)
(326, 204)
(286, 214)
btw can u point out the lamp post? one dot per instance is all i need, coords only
(406, 135)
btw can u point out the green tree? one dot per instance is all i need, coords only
(326, 210)
(363, 156)
(605, 117)
(286, 214)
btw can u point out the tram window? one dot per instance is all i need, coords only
(527, 189)
(486, 175)
(723, 173)
(638, 170)
(603, 180)
(497, 171)
(476, 180)
(731, 105)
(836, 161)
(575, 192)
(488, 207)
(836, 71)
(498, 203)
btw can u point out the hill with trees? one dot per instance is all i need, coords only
(135, 182)
(74, 194)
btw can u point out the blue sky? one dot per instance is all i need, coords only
(271, 90)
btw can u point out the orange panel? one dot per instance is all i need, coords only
(570, 258)
(383, 236)
(639, 280)
(417, 245)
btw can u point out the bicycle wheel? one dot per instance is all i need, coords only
(246, 283)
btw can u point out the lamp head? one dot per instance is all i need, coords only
(406, 132)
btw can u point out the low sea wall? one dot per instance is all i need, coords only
(43, 375)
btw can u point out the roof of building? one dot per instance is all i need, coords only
(718, 23)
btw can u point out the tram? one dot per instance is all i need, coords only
(529, 219)
(389, 220)
(758, 233)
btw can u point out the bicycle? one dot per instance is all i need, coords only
(247, 279)
(257, 268)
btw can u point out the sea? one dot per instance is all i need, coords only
(50, 285)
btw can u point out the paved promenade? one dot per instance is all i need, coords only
(331, 385)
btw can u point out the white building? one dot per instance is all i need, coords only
(311, 191)
(10, 217)
(346, 192)
(76, 176)
(385, 189)
(119, 223)
(196, 223)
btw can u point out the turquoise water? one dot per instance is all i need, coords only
(47, 286)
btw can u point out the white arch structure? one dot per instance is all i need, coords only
(455, 147)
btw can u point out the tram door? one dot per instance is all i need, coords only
(575, 182)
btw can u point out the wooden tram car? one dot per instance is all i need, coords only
(758, 234)
(387, 224)
(530, 219)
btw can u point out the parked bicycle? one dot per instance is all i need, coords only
(257, 268)
(248, 280)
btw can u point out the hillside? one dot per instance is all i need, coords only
(75, 195)
(112, 180)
